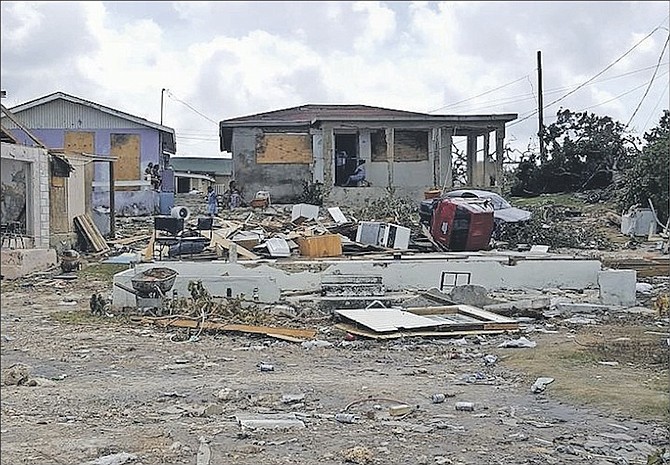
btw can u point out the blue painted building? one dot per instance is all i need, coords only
(72, 124)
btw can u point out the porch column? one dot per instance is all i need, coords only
(500, 152)
(471, 158)
(446, 179)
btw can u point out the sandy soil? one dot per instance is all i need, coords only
(96, 387)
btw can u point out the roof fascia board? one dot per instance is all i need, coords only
(97, 106)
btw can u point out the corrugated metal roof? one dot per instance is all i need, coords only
(220, 166)
(59, 108)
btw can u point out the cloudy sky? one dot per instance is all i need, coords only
(220, 60)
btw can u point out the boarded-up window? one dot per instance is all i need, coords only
(378, 145)
(410, 145)
(284, 148)
(126, 147)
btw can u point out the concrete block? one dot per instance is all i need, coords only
(617, 287)
(568, 309)
(20, 262)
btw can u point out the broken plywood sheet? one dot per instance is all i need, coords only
(287, 334)
(443, 319)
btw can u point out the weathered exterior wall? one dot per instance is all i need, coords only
(282, 180)
(129, 203)
(17, 263)
(37, 189)
(268, 279)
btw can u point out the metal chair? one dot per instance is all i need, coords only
(193, 241)
(167, 233)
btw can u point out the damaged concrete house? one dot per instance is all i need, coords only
(74, 125)
(358, 152)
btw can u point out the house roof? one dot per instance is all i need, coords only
(70, 98)
(309, 114)
(215, 166)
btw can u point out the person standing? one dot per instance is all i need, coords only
(212, 206)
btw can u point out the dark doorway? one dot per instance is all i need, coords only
(346, 157)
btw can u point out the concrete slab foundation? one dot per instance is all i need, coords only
(20, 262)
(268, 279)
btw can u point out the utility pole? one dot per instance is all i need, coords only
(540, 104)
(163, 92)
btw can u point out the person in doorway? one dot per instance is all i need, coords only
(156, 177)
(358, 176)
(212, 205)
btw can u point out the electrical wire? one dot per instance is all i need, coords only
(477, 96)
(173, 97)
(608, 67)
(651, 81)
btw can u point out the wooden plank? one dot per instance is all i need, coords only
(292, 334)
(226, 243)
(91, 232)
(484, 315)
(131, 240)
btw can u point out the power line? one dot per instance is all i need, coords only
(480, 95)
(651, 81)
(173, 97)
(655, 107)
(617, 97)
(606, 69)
(590, 79)
(528, 96)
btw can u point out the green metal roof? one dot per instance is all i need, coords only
(213, 166)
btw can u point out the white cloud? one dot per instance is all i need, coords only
(226, 59)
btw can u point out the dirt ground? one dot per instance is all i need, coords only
(106, 387)
(84, 389)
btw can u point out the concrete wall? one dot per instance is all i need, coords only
(36, 168)
(283, 181)
(18, 263)
(129, 203)
(268, 278)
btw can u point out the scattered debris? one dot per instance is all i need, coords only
(540, 384)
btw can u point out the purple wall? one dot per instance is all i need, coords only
(54, 139)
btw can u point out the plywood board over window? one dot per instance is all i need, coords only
(126, 147)
(84, 142)
(410, 145)
(284, 148)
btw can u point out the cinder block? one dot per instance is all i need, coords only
(617, 287)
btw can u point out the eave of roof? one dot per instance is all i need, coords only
(97, 106)
(307, 115)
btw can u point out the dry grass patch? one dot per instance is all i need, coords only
(637, 385)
